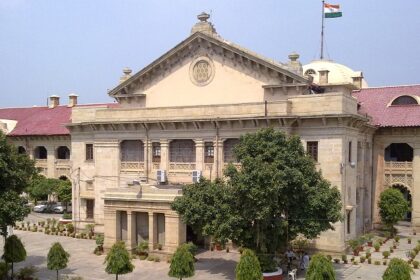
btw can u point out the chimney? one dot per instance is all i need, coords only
(54, 101)
(294, 64)
(323, 77)
(357, 80)
(72, 100)
(127, 74)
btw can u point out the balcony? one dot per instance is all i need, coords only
(182, 166)
(398, 173)
(132, 166)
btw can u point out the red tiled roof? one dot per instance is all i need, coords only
(375, 101)
(41, 120)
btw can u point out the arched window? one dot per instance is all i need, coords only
(40, 152)
(63, 152)
(228, 146)
(132, 150)
(310, 72)
(21, 150)
(404, 100)
(182, 151)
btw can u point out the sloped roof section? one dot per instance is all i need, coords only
(40, 121)
(217, 40)
(376, 102)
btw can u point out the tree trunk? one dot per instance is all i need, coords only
(11, 276)
(57, 274)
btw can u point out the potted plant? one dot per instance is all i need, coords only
(391, 249)
(376, 246)
(409, 240)
(369, 239)
(354, 244)
(344, 258)
(362, 259)
(395, 245)
(369, 260)
(386, 254)
(337, 261)
(414, 232)
(368, 253)
(416, 264)
(143, 249)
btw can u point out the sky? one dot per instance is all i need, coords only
(76, 46)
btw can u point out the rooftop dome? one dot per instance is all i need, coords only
(338, 73)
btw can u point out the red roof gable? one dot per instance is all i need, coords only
(41, 120)
(375, 102)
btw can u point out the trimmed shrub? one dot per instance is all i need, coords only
(57, 258)
(248, 267)
(182, 264)
(118, 260)
(320, 268)
(398, 270)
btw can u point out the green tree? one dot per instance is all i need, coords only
(248, 267)
(275, 195)
(16, 172)
(64, 192)
(392, 207)
(182, 264)
(118, 260)
(320, 268)
(398, 269)
(41, 187)
(57, 258)
(14, 251)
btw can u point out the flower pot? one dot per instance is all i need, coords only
(218, 247)
(356, 252)
(370, 243)
(277, 275)
(409, 241)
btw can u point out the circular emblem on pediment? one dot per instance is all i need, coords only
(201, 71)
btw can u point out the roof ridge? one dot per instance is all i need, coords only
(390, 86)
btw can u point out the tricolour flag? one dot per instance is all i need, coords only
(332, 11)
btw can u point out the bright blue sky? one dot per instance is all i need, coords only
(58, 47)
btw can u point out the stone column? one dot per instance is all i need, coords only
(218, 154)
(148, 160)
(111, 225)
(131, 230)
(379, 174)
(415, 193)
(50, 161)
(199, 154)
(175, 233)
(164, 154)
(152, 231)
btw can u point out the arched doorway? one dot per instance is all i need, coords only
(407, 195)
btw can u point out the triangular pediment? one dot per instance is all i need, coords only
(212, 46)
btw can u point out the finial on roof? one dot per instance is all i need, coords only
(294, 56)
(294, 63)
(127, 74)
(203, 16)
(127, 71)
(204, 25)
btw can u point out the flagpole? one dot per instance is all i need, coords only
(322, 31)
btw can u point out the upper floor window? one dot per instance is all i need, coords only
(89, 151)
(310, 72)
(156, 152)
(404, 100)
(208, 152)
(21, 150)
(312, 149)
(228, 146)
(40, 152)
(63, 152)
(182, 151)
(132, 150)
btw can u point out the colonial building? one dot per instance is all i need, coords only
(179, 118)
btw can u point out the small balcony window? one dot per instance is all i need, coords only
(156, 152)
(208, 152)
(312, 149)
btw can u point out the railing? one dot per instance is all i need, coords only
(398, 165)
(236, 164)
(181, 166)
(398, 172)
(41, 163)
(132, 165)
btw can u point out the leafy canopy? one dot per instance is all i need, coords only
(57, 257)
(14, 251)
(118, 260)
(248, 267)
(276, 192)
(40, 187)
(16, 172)
(320, 268)
(392, 206)
(182, 264)
(398, 269)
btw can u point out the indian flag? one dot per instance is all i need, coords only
(332, 11)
